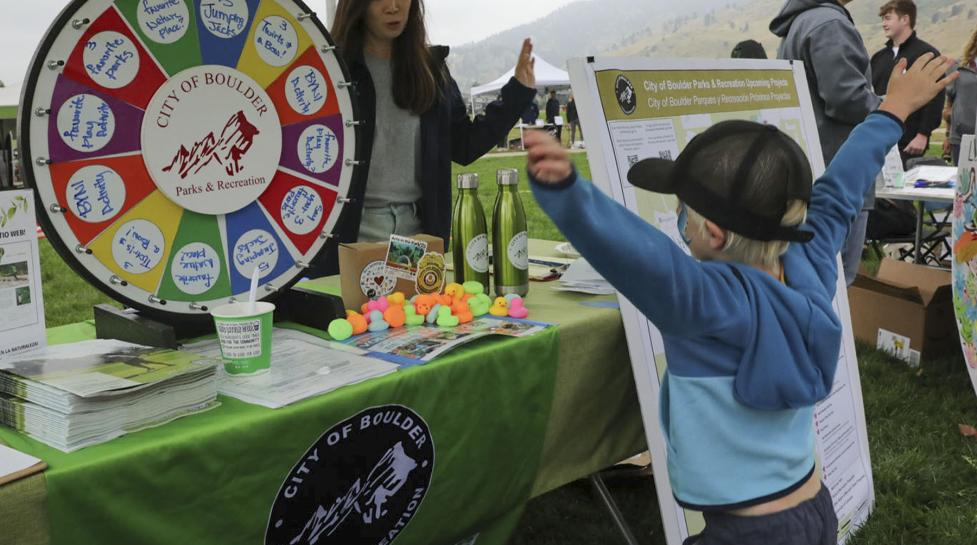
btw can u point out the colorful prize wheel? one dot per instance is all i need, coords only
(178, 145)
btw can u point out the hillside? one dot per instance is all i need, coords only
(576, 30)
(944, 23)
(682, 28)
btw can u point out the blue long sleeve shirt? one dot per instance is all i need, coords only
(748, 356)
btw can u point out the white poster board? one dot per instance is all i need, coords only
(21, 303)
(635, 108)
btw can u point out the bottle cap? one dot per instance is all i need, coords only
(468, 181)
(507, 176)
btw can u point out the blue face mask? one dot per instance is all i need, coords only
(683, 222)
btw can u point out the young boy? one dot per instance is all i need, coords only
(751, 336)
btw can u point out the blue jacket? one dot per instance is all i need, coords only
(447, 134)
(748, 356)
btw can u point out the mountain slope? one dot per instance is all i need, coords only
(682, 28)
(576, 30)
(944, 23)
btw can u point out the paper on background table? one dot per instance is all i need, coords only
(931, 173)
(17, 465)
(581, 277)
(303, 366)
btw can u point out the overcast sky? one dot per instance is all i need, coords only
(451, 22)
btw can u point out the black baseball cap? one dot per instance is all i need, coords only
(740, 175)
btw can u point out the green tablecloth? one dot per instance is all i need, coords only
(510, 419)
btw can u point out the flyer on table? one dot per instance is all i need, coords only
(21, 303)
(632, 109)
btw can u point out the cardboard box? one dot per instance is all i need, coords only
(909, 300)
(355, 279)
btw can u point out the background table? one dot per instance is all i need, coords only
(919, 196)
(511, 419)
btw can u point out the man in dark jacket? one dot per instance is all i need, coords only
(573, 120)
(898, 23)
(552, 111)
(822, 34)
(531, 115)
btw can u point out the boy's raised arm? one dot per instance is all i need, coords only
(672, 289)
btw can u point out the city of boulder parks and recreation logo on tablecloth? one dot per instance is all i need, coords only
(361, 482)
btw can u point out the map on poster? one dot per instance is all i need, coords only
(633, 109)
(21, 303)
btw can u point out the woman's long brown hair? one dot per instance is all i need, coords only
(417, 84)
(970, 50)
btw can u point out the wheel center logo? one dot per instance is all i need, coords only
(361, 482)
(212, 140)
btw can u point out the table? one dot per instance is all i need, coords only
(548, 127)
(919, 195)
(510, 419)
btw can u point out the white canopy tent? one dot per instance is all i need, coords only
(547, 75)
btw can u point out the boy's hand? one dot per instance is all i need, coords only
(910, 90)
(548, 161)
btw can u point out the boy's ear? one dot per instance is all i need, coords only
(717, 236)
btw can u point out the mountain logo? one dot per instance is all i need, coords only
(236, 139)
(627, 98)
(361, 482)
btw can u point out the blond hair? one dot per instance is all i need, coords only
(752, 252)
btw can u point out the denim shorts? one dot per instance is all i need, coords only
(811, 523)
(379, 223)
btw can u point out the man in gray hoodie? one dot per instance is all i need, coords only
(822, 34)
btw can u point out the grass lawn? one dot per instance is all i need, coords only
(925, 471)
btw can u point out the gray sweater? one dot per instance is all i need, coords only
(822, 35)
(963, 94)
(396, 144)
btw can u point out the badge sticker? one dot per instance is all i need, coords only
(431, 273)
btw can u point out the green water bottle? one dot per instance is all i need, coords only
(469, 234)
(510, 239)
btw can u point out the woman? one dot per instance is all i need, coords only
(961, 101)
(414, 122)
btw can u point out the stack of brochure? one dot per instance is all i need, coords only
(77, 395)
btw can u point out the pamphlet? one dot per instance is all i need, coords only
(303, 366)
(21, 302)
(416, 345)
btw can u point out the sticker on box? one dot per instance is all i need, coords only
(404, 256)
(375, 282)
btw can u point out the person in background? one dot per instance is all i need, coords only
(414, 123)
(899, 23)
(748, 49)
(822, 34)
(531, 114)
(552, 111)
(573, 120)
(961, 101)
